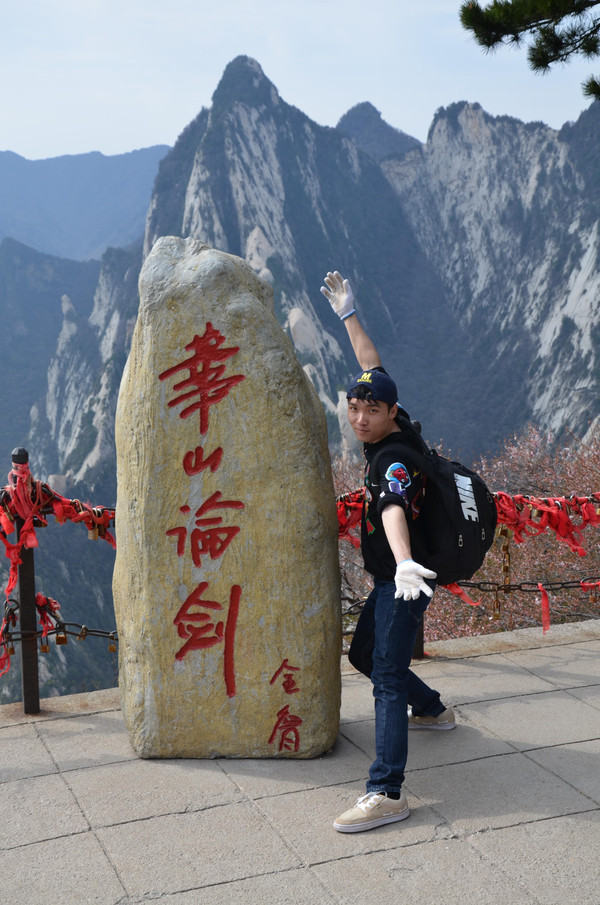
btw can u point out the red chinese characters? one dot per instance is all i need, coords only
(203, 623)
(201, 630)
(205, 384)
(209, 536)
(286, 730)
(287, 672)
(194, 462)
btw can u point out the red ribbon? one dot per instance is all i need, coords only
(349, 512)
(44, 604)
(545, 608)
(555, 514)
(4, 654)
(27, 499)
(460, 592)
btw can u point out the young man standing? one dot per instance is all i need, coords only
(387, 628)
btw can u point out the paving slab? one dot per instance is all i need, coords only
(70, 871)
(305, 821)
(290, 887)
(578, 764)
(23, 754)
(87, 741)
(187, 851)
(506, 808)
(433, 749)
(481, 679)
(139, 789)
(538, 720)
(563, 667)
(446, 872)
(38, 808)
(357, 698)
(262, 777)
(556, 861)
(495, 792)
(590, 695)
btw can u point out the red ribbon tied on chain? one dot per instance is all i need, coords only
(349, 512)
(545, 608)
(529, 516)
(44, 605)
(28, 500)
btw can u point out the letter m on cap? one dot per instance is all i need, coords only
(366, 377)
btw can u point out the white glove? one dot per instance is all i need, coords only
(339, 294)
(409, 580)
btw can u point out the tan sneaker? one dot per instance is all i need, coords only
(373, 809)
(445, 720)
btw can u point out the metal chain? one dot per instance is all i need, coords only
(528, 587)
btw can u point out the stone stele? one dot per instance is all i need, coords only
(226, 582)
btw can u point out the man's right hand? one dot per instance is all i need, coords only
(339, 294)
(410, 580)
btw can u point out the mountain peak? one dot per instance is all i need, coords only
(372, 134)
(244, 81)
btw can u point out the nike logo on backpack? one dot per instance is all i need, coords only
(467, 497)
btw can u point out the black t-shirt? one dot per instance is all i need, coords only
(398, 482)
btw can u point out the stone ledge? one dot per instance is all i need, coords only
(62, 706)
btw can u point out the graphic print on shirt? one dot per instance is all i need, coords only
(398, 478)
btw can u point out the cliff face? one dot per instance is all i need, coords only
(295, 200)
(474, 259)
(505, 211)
(72, 425)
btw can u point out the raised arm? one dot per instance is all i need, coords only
(339, 294)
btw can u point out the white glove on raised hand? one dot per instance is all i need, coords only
(339, 294)
(410, 580)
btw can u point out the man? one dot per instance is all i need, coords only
(385, 635)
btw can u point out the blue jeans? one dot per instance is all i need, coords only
(382, 649)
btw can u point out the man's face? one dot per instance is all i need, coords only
(371, 421)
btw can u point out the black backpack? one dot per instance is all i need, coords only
(458, 516)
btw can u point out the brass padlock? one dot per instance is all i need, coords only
(61, 635)
(82, 634)
(496, 611)
(44, 646)
(112, 645)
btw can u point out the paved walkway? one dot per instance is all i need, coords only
(505, 809)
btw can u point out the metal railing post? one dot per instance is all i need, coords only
(419, 648)
(30, 683)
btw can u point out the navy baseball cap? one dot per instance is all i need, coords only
(380, 387)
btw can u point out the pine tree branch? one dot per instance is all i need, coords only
(556, 30)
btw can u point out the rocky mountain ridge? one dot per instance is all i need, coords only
(503, 211)
(76, 205)
(474, 259)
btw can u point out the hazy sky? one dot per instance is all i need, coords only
(115, 75)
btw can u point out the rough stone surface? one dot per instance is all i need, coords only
(195, 681)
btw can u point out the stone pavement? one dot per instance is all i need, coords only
(505, 809)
